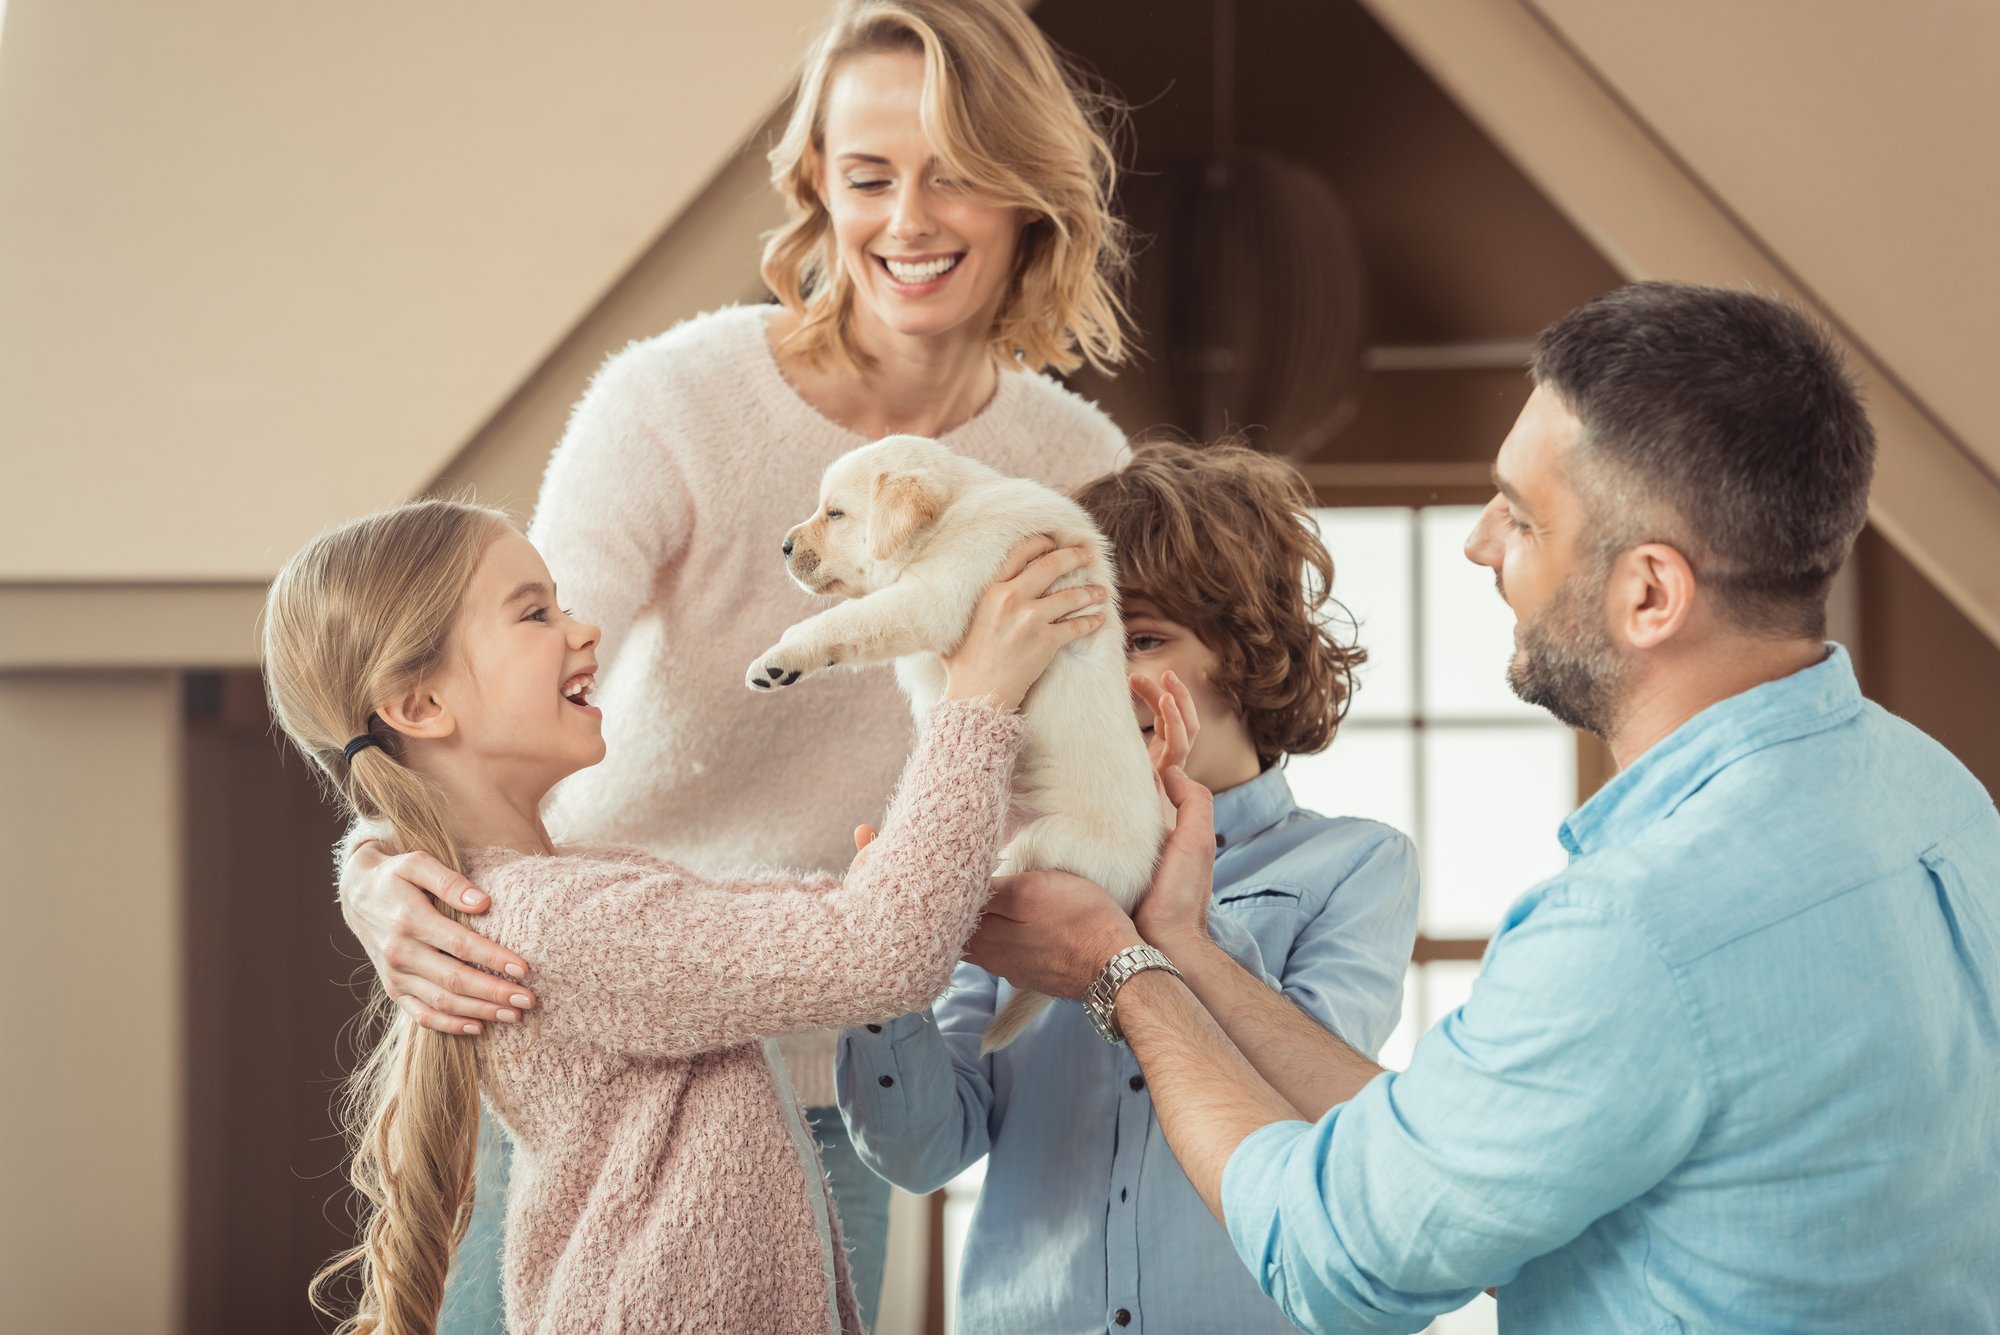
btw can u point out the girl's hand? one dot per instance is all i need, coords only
(424, 958)
(1019, 624)
(1176, 724)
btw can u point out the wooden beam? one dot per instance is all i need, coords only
(86, 626)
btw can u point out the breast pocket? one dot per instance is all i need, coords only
(1251, 898)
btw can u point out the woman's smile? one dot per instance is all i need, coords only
(919, 276)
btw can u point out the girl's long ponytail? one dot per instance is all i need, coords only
(361, 616)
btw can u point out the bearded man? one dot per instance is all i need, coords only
(1737, 1068)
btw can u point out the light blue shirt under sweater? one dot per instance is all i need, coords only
(1736, 1069)
(1085, 1214)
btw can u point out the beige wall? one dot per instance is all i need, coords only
(1859, 142)
(1633, 189)
(91, 1044)
(707, 258)
(267, 266)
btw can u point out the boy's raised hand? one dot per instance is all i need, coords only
(1173, 913)
(1176, 724)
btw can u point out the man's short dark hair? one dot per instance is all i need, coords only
(1725, 424)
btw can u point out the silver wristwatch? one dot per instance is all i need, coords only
(1100, 999)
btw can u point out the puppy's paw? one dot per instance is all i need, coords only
(784, 664)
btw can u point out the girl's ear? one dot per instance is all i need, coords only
(901, 506)
(421, 713)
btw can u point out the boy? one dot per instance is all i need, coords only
(1086, 1222)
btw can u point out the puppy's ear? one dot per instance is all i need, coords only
(902, 506)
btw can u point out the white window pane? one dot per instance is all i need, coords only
(1481, 1316)
(1395, 1054)
(1372, 579)
(1446, 986)
(1494, 797)
(961, 1197)
(1468, 631)
(1368, 772)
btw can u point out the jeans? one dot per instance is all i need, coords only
(472, 1295)
(862, 1199)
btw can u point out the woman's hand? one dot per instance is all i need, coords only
(1173, 914)
(1019, 624)
(423, 957)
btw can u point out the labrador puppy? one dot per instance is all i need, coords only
(910, 534)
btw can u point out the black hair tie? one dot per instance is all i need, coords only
(360, 744)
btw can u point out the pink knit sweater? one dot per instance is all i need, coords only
(661, 519)
(656, 1185)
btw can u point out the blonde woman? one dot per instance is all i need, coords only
(950, 239)
(420, 659)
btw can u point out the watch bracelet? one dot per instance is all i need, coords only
(1101, 997)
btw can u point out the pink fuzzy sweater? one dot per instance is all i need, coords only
(661, 519)
(656, 1185)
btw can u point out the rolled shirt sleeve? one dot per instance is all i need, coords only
(1569, 1084)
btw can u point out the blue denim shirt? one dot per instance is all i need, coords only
(1085, 1213)
(1736, 1069)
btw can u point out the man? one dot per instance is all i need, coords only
(1738, 1066)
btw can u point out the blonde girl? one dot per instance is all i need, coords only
(420, 660)
(950, 239)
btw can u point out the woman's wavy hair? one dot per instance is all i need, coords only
(1222, 540)
(362, 616)
(1020, 127)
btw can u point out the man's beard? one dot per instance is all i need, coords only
(1567, 663)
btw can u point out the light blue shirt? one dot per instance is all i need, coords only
(1736, 1069)
(1085, 1214)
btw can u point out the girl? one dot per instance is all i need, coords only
(419, 659)
(948, 181)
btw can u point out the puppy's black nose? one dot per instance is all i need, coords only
(788, 545)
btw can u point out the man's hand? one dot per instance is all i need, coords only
(422, 956)
(1174, 913)
(1049, 931)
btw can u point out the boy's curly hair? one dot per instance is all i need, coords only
(1222, 540)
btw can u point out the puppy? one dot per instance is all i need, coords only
(911, 534)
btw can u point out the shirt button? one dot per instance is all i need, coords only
(1121, 1194)
(1137, 1082)
(1121, 1317)
(874, 1028)
(886, 1081)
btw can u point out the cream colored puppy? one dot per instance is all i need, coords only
(911, 534)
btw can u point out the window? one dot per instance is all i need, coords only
(1436, 744)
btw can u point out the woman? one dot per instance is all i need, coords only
(950, 237)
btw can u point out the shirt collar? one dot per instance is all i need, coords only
(1251, 808)
(1671, 771)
